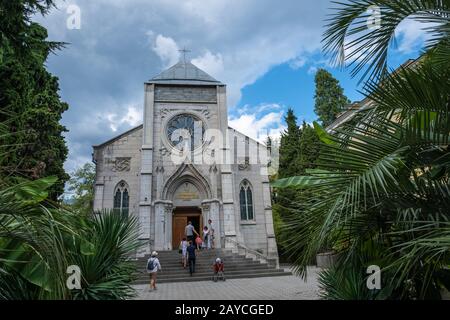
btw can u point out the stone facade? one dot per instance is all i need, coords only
(185, 93)
(208, 182)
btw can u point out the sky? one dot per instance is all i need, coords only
(267, 53)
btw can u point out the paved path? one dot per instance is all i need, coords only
(276, 288)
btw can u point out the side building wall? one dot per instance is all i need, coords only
(249, 164)
(118, 160)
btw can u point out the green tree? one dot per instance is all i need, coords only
(382, 182)
(288, 157)
(81, 185)
(329, 97)
(309, 148)
(289, 146)
(299, 150)
(30, 106)
(39, 239)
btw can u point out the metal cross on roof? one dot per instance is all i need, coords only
(184, 51)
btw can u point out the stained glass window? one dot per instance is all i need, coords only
(243, 205)
(249, 204)
(125, 202)
(246, 201)
(185, 131)
(121, 199)
(117, 200)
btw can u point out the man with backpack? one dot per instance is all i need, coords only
(153, 266)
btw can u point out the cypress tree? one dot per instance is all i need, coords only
(309, 148)
(329, 97)
(289, 146)
(30, 105)
(288, 161)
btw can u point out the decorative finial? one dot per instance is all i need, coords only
(184, 51)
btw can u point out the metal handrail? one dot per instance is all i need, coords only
(246, 249)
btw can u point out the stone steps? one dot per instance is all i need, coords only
(208, 273)
(180, 271)
(236, 267)
(206, 267)
(206, 261)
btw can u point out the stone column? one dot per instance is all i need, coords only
(212, 210)
(229, 222)
(205, 212)
(229, 217)
(163, 221)
(272, 251)
(98, 199)
(168, 214)
(213, 178)
(146, 174)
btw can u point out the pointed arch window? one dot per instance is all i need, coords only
(121, 198)
(246, 201)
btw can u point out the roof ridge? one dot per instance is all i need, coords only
(184, 72)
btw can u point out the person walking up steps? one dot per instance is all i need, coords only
(183, 247)
(206, 239)
(211, 235)
(191, 251)
(198, 243)
(189, 231)
(153, 266)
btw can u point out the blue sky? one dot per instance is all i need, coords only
(266, 51)
(294, 88)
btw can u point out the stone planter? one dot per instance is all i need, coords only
(326, 259)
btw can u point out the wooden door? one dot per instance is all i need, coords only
(179, 223)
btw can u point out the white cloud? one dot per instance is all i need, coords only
(210, 63)
(133, 117)
(259, 126)
(102, 70)
(411, 35)
(298, 62)
(73, 163)
(166, 49)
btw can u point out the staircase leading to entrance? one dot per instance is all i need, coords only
(236, 266)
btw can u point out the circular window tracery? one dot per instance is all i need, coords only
(185, 131)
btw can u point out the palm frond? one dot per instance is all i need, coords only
(349, 40)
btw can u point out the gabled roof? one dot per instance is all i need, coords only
(184, 73)
(120, 136)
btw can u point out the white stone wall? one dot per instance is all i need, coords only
(163, 112)
(108, 177)
(254, 233)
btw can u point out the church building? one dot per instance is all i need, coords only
(184, 163)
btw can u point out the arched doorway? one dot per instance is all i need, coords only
(186, 190)
(181, 217)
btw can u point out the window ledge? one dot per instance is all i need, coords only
(248, 222)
